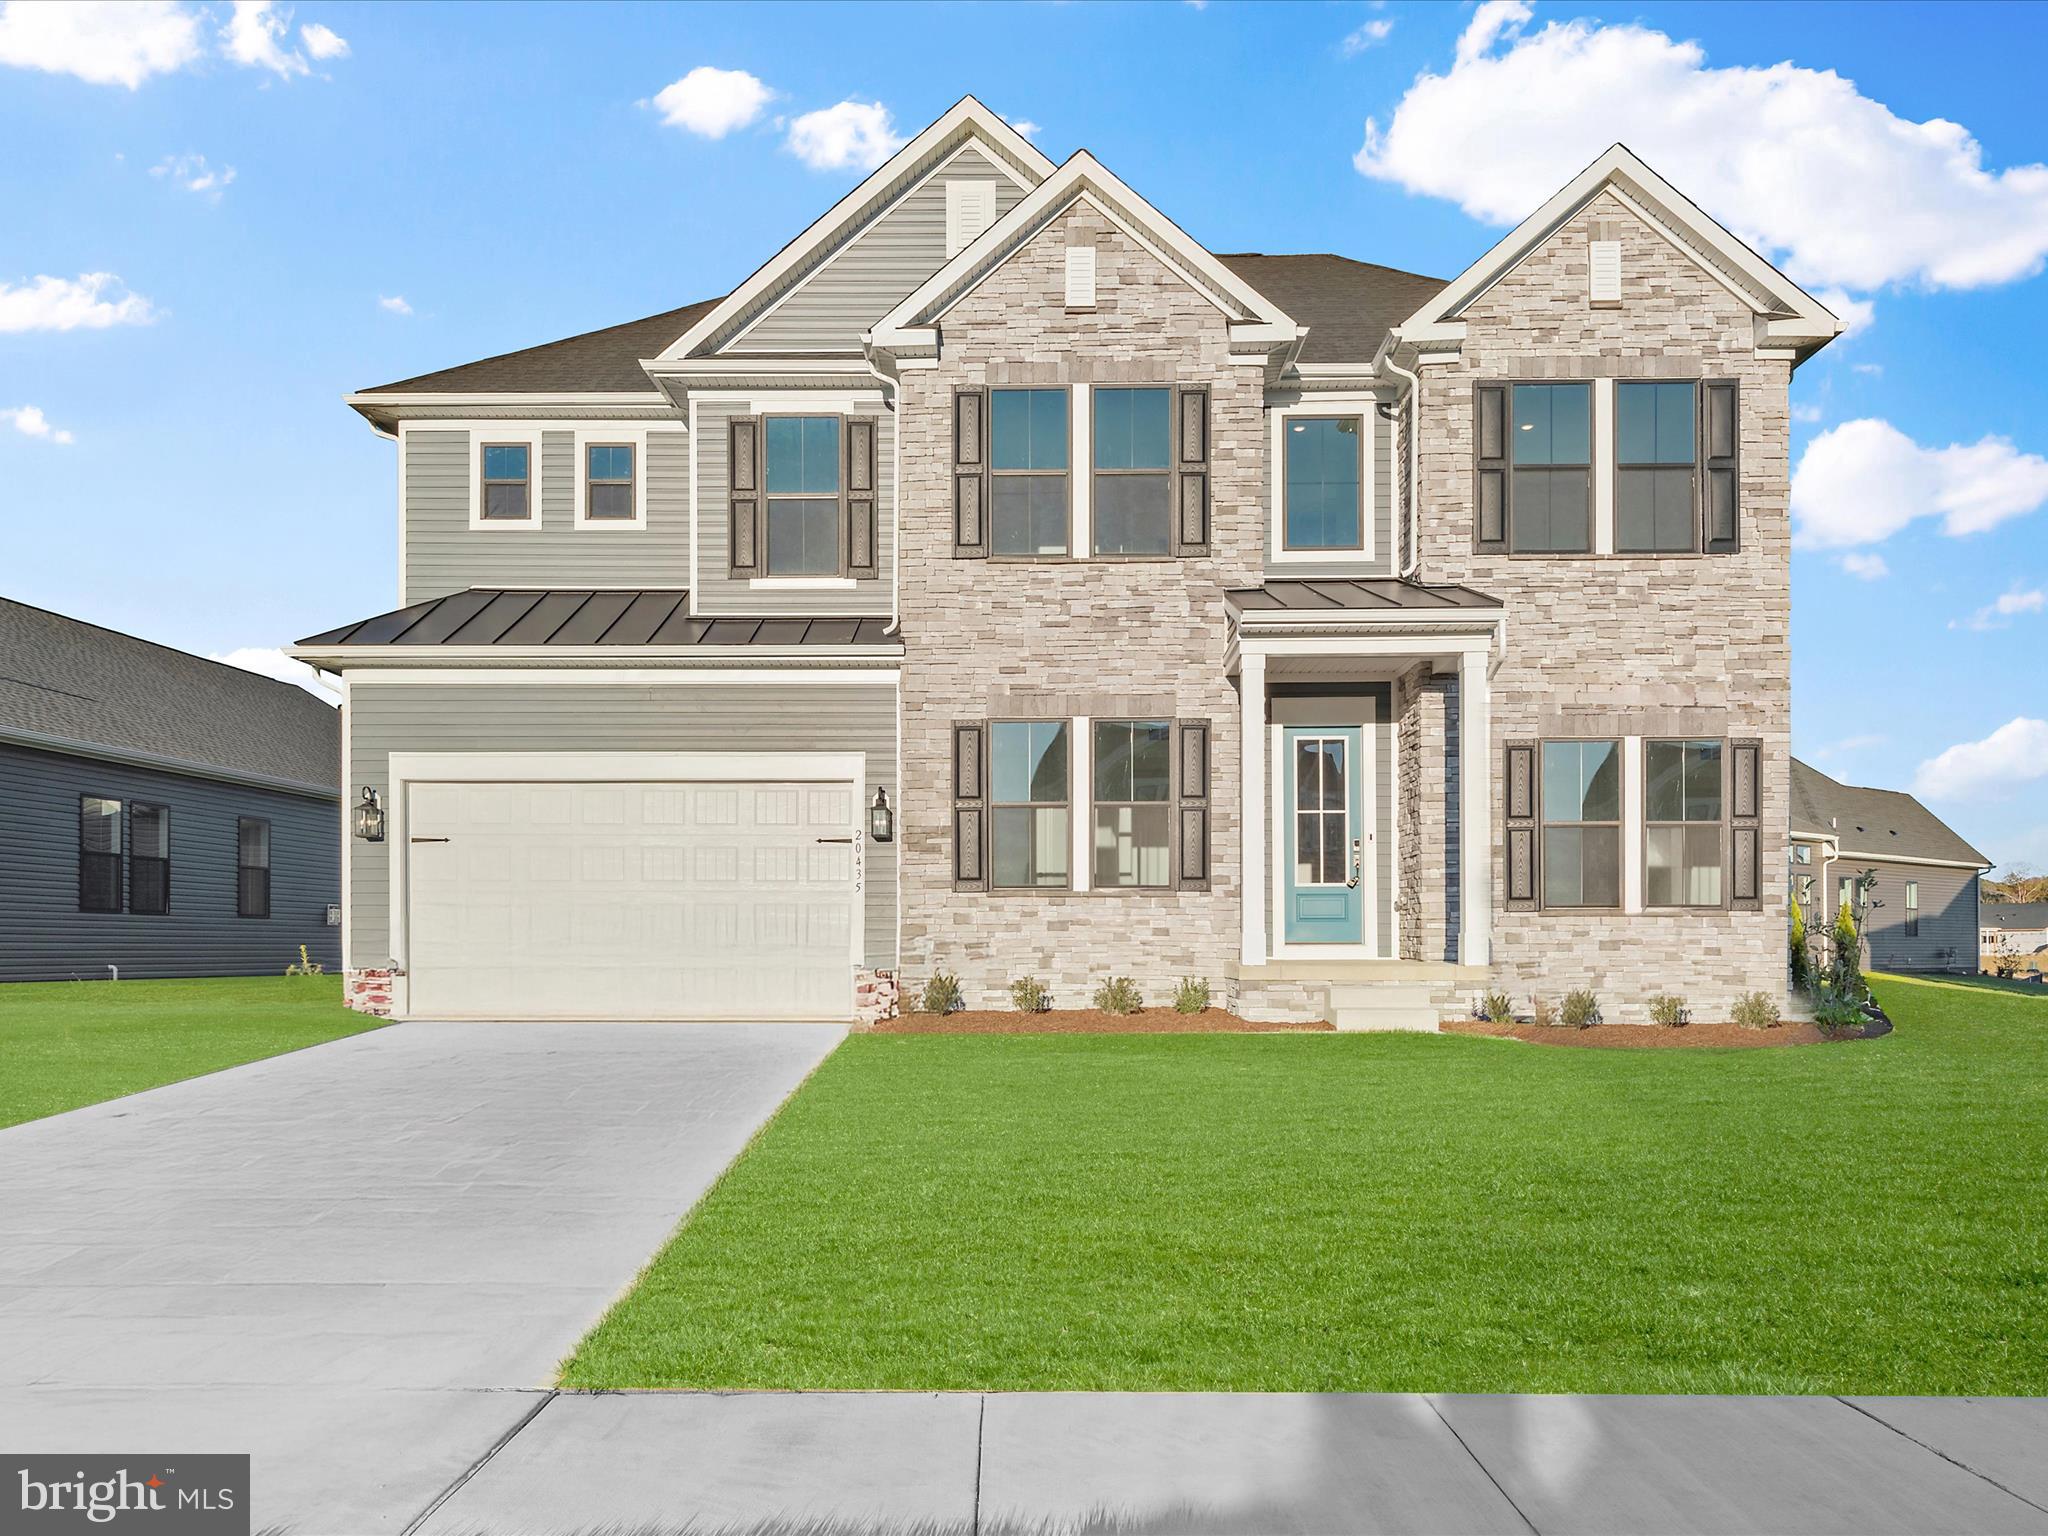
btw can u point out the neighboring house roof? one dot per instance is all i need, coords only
(66, 685)
(605, 361)
(2008, 915)
(1348, 306)
(500, 616)
(1873, 823)
(1349, 595)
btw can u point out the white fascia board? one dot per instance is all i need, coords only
(1900, 858)
(967, 113)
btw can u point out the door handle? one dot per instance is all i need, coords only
(428, 839)
(833, 839)
(1356, 865)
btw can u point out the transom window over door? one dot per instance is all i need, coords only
(1581, 824)
(1654, 503)
(803, 495)
(1028, 779)
(149, 859)
(1133, 489)
(608, 482)
(1133, 785)
(1323, 494)
(1550, 446)
(1682, 812)
(507, 482)
(1028, 439)
(99, 854)
(1322, 811)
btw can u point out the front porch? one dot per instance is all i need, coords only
(1365, 710)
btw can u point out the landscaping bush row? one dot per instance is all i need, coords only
(1581, 1010)
(1114, 994)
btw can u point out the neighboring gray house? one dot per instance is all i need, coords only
(160, 814)
(999, 582)
(1922, 913)
(2013, 928)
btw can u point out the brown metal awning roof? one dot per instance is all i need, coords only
(1343, 595)
(484, 616)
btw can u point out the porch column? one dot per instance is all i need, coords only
(1251, 818)
(1475, 810)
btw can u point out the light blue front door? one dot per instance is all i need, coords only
(1323, 837)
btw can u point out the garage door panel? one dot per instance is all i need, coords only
(651, 900)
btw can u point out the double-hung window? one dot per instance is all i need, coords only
(149, 859)
(99, 854)
(1028, 439)
(1133, 485)
(507, 482)
(803, 495)
(608, 483)
(1912, 909)
(1684, 836)
(1323, 494)
(1133, 786)
(1654, 499)
(1028, 779)
(1581, 824)
(252, 867)
(1550, 448)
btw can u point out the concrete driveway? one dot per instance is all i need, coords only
(361, 1261)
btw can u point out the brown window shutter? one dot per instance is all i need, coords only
(744, 483)
(970, 474)
(1520, 767)
(1720, 440)
(1191, 815)
(1745, 835)
(970, 806)
(1191, 481)
(1490, 465)
(857, 500)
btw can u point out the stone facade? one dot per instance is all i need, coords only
(1614, 645)
(368, 992)
(1426, 807)
(992, 639)
(876, 996)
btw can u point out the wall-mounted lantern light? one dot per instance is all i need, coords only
(881, 820)
(370, 817)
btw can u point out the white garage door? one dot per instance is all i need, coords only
(631, 900)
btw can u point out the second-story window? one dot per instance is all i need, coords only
(507, 482)
(1133, 436)
(608, 482)
(1323, 491)
(1653, 468)
(803, 495)
(1550, 445)
(1028, 442)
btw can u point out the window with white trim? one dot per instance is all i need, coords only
(609, 482)
(1655, 505)
(1028, 463)
(507, 482)
(1323, 492)
(803, 495)
(1912, 909)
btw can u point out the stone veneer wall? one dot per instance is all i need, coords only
(1620, 645)
(1427, 804)
(993, 639)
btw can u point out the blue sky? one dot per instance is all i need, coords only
(175, 459)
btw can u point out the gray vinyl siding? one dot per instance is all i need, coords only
(1385, 536)
(443, 554)
(717, 592)
(612, 717)
(874, 271)
(1948, 915)
(43, 935)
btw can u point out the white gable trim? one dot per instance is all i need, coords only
(966, 115)
(1791, 315)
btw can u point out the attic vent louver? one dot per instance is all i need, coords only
(970, 209)
(1605, 266)
(1080, 277)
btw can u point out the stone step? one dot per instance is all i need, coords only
(1383, 994)
(1421, 1020)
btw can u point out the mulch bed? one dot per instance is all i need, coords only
(1084, 1021)
(1655, 1036)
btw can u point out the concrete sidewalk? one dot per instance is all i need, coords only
(637, 1464)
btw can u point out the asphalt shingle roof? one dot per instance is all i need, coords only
(2015, 914)
(1348, 306)
(77, 682)
(596, 362)
(1875, 823)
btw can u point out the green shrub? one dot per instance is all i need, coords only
(1542, 1012)
(1802, 957)
(1118, 994)
(1845, 971)
(1837, 1016)
(1191, 996)
(1497, 1008)
(941, 994)
(305, 965)
(1755, 1010)
(1030, 995)
(1668, 1010)
(1581, 1009)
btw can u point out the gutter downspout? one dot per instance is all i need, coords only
(1414, 467)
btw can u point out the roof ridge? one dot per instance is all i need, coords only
(122, 634)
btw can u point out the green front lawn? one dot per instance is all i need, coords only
(1378, 1213)
(68, 1043)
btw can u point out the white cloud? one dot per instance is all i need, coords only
(395, 302)
(1025, 126)
(1796, 161)
(30, 421)
(1866, 567)
(1805, 414)
(193, 174)
(272, 662)
(103, 44)
(1863, 481)
(1854, 313)
(2000, 613)
(1850, 744)
(860, 134)
(1371, 35)
(323, 42)
(255, 36)
(1869, 370)
(2016, 753)
(91, 301)
(712, 102)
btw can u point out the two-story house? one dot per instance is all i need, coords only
(998, 582)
